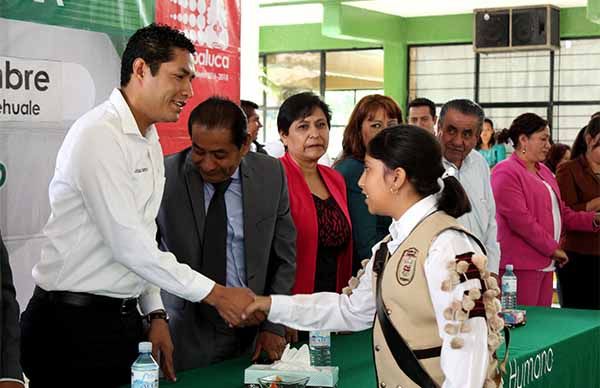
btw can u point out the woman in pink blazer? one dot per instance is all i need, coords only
(530, 213)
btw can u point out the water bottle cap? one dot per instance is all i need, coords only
(509, 267)
(145, 347)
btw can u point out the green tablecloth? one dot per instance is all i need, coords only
(557, 348)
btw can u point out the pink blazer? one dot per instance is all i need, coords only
(524, 215)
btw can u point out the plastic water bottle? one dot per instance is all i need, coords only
(509, 288)
(320, 348)
(144, 371)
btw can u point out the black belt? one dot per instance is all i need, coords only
(424, 354)
(82, 299)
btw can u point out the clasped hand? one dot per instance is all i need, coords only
(233, 306)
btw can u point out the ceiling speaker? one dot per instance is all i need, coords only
(518, 28)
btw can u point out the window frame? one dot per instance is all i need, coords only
(548, 104)
(322, 77)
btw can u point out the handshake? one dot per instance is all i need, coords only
(239, 307)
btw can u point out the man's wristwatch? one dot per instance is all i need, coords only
(158, 314)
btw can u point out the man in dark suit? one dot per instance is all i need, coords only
(11, 375)
(226, 211)
(254, 125)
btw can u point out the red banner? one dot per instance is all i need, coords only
(214, 28)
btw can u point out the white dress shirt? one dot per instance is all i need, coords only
(463, 368)
(104, 198)
(556, 220)
(474, 176)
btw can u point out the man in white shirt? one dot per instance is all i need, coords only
(459, 127)
(82, 326)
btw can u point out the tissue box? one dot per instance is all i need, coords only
(324, 376)
(513, 318)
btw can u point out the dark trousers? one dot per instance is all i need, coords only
(65, 346)
(201, 337)
(580, 281)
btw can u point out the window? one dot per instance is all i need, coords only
(576, 87)
(503, 117)
(569, 119)
(441, 73)
(289, 74)
(349, 76)
(516, 76)
(341, 78)
(577, 70)
(508, 84)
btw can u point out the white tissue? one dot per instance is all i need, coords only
(294, 359)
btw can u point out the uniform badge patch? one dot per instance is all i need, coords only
(407, 266)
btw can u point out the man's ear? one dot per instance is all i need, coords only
(139, 69)
(246, 145)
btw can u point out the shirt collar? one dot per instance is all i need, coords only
(236, 174)
(128, 123)
(466, 162)
(400, 229)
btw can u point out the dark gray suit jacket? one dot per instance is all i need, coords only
(269, 242)
(9, 321)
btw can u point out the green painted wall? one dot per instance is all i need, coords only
(574, 24)
(459, 28)
(360, 24)
(439, 29)
(349, 27)
(302, 38)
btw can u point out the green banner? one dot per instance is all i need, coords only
(117, 18)
(114, 17)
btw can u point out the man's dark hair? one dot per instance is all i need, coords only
(464, 106)
(154, 44)
(423, 102)
(248, 106)
(298, 107)
(220, 113)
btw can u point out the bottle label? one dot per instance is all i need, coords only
(319, 339)
(144, 379)
(509, 285)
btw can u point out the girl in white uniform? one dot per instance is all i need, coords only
(403, 179)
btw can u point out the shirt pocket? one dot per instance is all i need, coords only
(143, 185)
